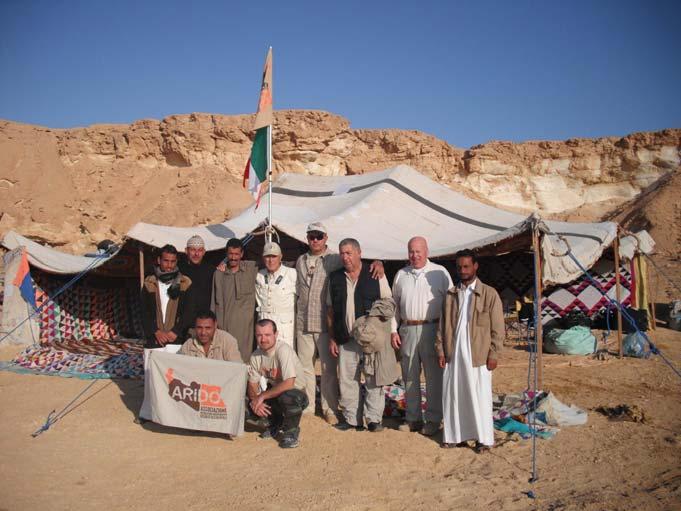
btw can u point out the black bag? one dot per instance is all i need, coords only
(575, 318)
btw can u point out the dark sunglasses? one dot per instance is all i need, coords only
(318, 236)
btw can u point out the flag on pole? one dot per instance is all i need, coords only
(257, 168)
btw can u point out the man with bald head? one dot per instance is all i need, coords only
(419, 290)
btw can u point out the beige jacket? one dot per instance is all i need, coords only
(487, 329)
(372, 333)
(223, 347)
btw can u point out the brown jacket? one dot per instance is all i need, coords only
(487, 330)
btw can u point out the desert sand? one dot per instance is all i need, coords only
(97, 457)
(72, 188)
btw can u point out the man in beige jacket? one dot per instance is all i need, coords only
(469, 338)
(209, 342)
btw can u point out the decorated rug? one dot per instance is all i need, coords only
(582, 295)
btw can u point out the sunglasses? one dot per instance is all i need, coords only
(318, 236)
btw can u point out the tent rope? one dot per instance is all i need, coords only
(53, 417)
(653, 348)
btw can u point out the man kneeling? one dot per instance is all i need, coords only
(210, 342)
(284, 399)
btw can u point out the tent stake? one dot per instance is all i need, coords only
(618, 292)
(536, 248)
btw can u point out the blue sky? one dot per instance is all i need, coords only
(467, 72)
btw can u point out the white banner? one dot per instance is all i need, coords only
(194, 393)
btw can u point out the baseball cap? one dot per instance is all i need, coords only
(316, 226)
(271, 249)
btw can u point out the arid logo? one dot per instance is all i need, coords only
(205, 399)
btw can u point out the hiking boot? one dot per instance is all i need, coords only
(410, 427)
(430, 428)
(375, 427)
(289, 440)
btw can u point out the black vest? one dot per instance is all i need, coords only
(367, 292)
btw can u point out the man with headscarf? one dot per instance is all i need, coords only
(166, 302)
(199, 271)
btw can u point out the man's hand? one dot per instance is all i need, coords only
(171, 336)
(259, 407)
(377, 270)
(333, 348)
(222, 267)
(161, 337)
(441, 361)
(395, 340)
(491, 364)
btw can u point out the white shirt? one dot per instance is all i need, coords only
(420, 293)
(163, 295)
(275, 293)
(465, 309)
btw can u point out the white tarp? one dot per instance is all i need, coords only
(50, 259)
(194, 393)
(383, 210)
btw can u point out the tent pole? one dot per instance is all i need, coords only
(618, 292)
(536, 248)
(651, 297)
(141, 259)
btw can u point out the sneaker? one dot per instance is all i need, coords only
(346, 426)
(410, 427)
(289, 440)
(375, 427)
(430, 428)
(270, 432)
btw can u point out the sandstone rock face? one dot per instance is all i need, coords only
(74, 187)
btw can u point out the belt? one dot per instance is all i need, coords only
(415, 322)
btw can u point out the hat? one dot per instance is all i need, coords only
(271, 249)
(195, 242)
(316, 226)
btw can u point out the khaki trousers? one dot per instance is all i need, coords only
(353, 405)
(418, 349)
(310, 346)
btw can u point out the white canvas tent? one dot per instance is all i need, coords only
(384, 209)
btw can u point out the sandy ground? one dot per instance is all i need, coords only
(96, 457)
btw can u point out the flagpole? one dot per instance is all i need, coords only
(268, 236)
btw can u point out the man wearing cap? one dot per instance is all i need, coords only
(312, 338)
(199, 271)
(275, 293)
(419, 290)
(233, 297)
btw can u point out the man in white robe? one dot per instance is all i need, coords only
(469, 338)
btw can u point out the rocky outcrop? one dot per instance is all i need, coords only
(74, 187)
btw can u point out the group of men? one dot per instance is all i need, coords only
(339, 309)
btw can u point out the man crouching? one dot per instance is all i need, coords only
(210, 342)
(283, 399)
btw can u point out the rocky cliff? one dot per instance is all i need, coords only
(74, 187)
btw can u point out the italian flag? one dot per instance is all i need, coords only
(256, 168)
